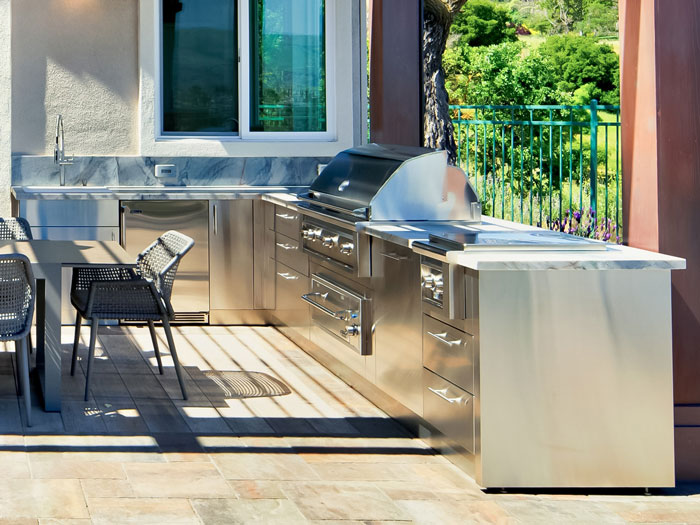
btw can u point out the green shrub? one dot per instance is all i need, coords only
(580, 61)
(483, 23)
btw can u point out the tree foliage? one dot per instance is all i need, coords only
(563, 70)
(483, 23)
(585, 67)
(500, 74)
(586, 17)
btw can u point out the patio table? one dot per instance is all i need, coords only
(47, 258)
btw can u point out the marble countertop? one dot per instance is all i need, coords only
(614, 257)
(149, 192)
(398, 232)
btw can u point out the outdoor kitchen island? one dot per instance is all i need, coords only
(541, 369)
(571, 360)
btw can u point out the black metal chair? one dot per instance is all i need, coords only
(15, 229)
(17, 295)
(137, 295)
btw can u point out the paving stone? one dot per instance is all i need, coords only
(359, 501)
(263, 466)
(60, 465)
(228, 512)
(107, 488)
(42, 498)
(177, 480)
(141, 510)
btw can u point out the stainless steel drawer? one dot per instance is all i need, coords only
(287, 222)
(448, 352)
(290, 309)
(289, 252)
(449, 409)
(93, 212)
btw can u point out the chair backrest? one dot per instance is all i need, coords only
(17, 293)
(15, 229)
(160, 260)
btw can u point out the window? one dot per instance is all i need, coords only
(200, 67)
(288, 74)
(279, 79)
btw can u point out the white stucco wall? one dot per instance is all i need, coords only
(78, 58)
(5, 108)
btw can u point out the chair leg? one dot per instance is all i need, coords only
(152, 329)
(173, 352)
(91, 353)
(76, 340)
(16, 371)
(26, 387)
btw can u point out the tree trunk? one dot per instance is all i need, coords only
(438, 131)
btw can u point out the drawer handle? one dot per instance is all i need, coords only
(442, 338)
(393, 256)
(342, 315)
(442, 393)
(287, 276)
(285, 246)
(286, 216)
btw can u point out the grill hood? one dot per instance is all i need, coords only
(387, 182)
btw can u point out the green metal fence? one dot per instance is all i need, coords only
(554, 166)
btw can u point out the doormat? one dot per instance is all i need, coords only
(242, 384)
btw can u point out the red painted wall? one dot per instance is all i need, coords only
(660, 47)
(396, 72)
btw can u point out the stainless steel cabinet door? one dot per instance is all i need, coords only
(397, 310)
(145, 220)
(231, 249)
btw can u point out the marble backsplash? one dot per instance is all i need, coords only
(29, 170)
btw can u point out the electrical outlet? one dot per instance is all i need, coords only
(166, 173)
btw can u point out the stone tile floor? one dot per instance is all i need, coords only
(233, 453)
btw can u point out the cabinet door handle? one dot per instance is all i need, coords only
(286, 216)
(442, 337)
(285, 246)
(443, 394)
(216, 220)
(287, 276)
(393, 256)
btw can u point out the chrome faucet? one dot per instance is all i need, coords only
(59, 151)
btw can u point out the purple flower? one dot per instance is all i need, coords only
(577, 215)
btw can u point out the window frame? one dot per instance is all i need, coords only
(244, 50)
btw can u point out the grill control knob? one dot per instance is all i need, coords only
(311, 234)
(330, 240)
(438, 289)
(350, 330)
(347, 248)
(428, 281)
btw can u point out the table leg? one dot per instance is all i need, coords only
(48, 355)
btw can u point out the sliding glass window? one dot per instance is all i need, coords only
(287, 66)
(200, 67)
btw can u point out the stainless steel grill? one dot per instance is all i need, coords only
(389, 183)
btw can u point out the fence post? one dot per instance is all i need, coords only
(594, 159)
